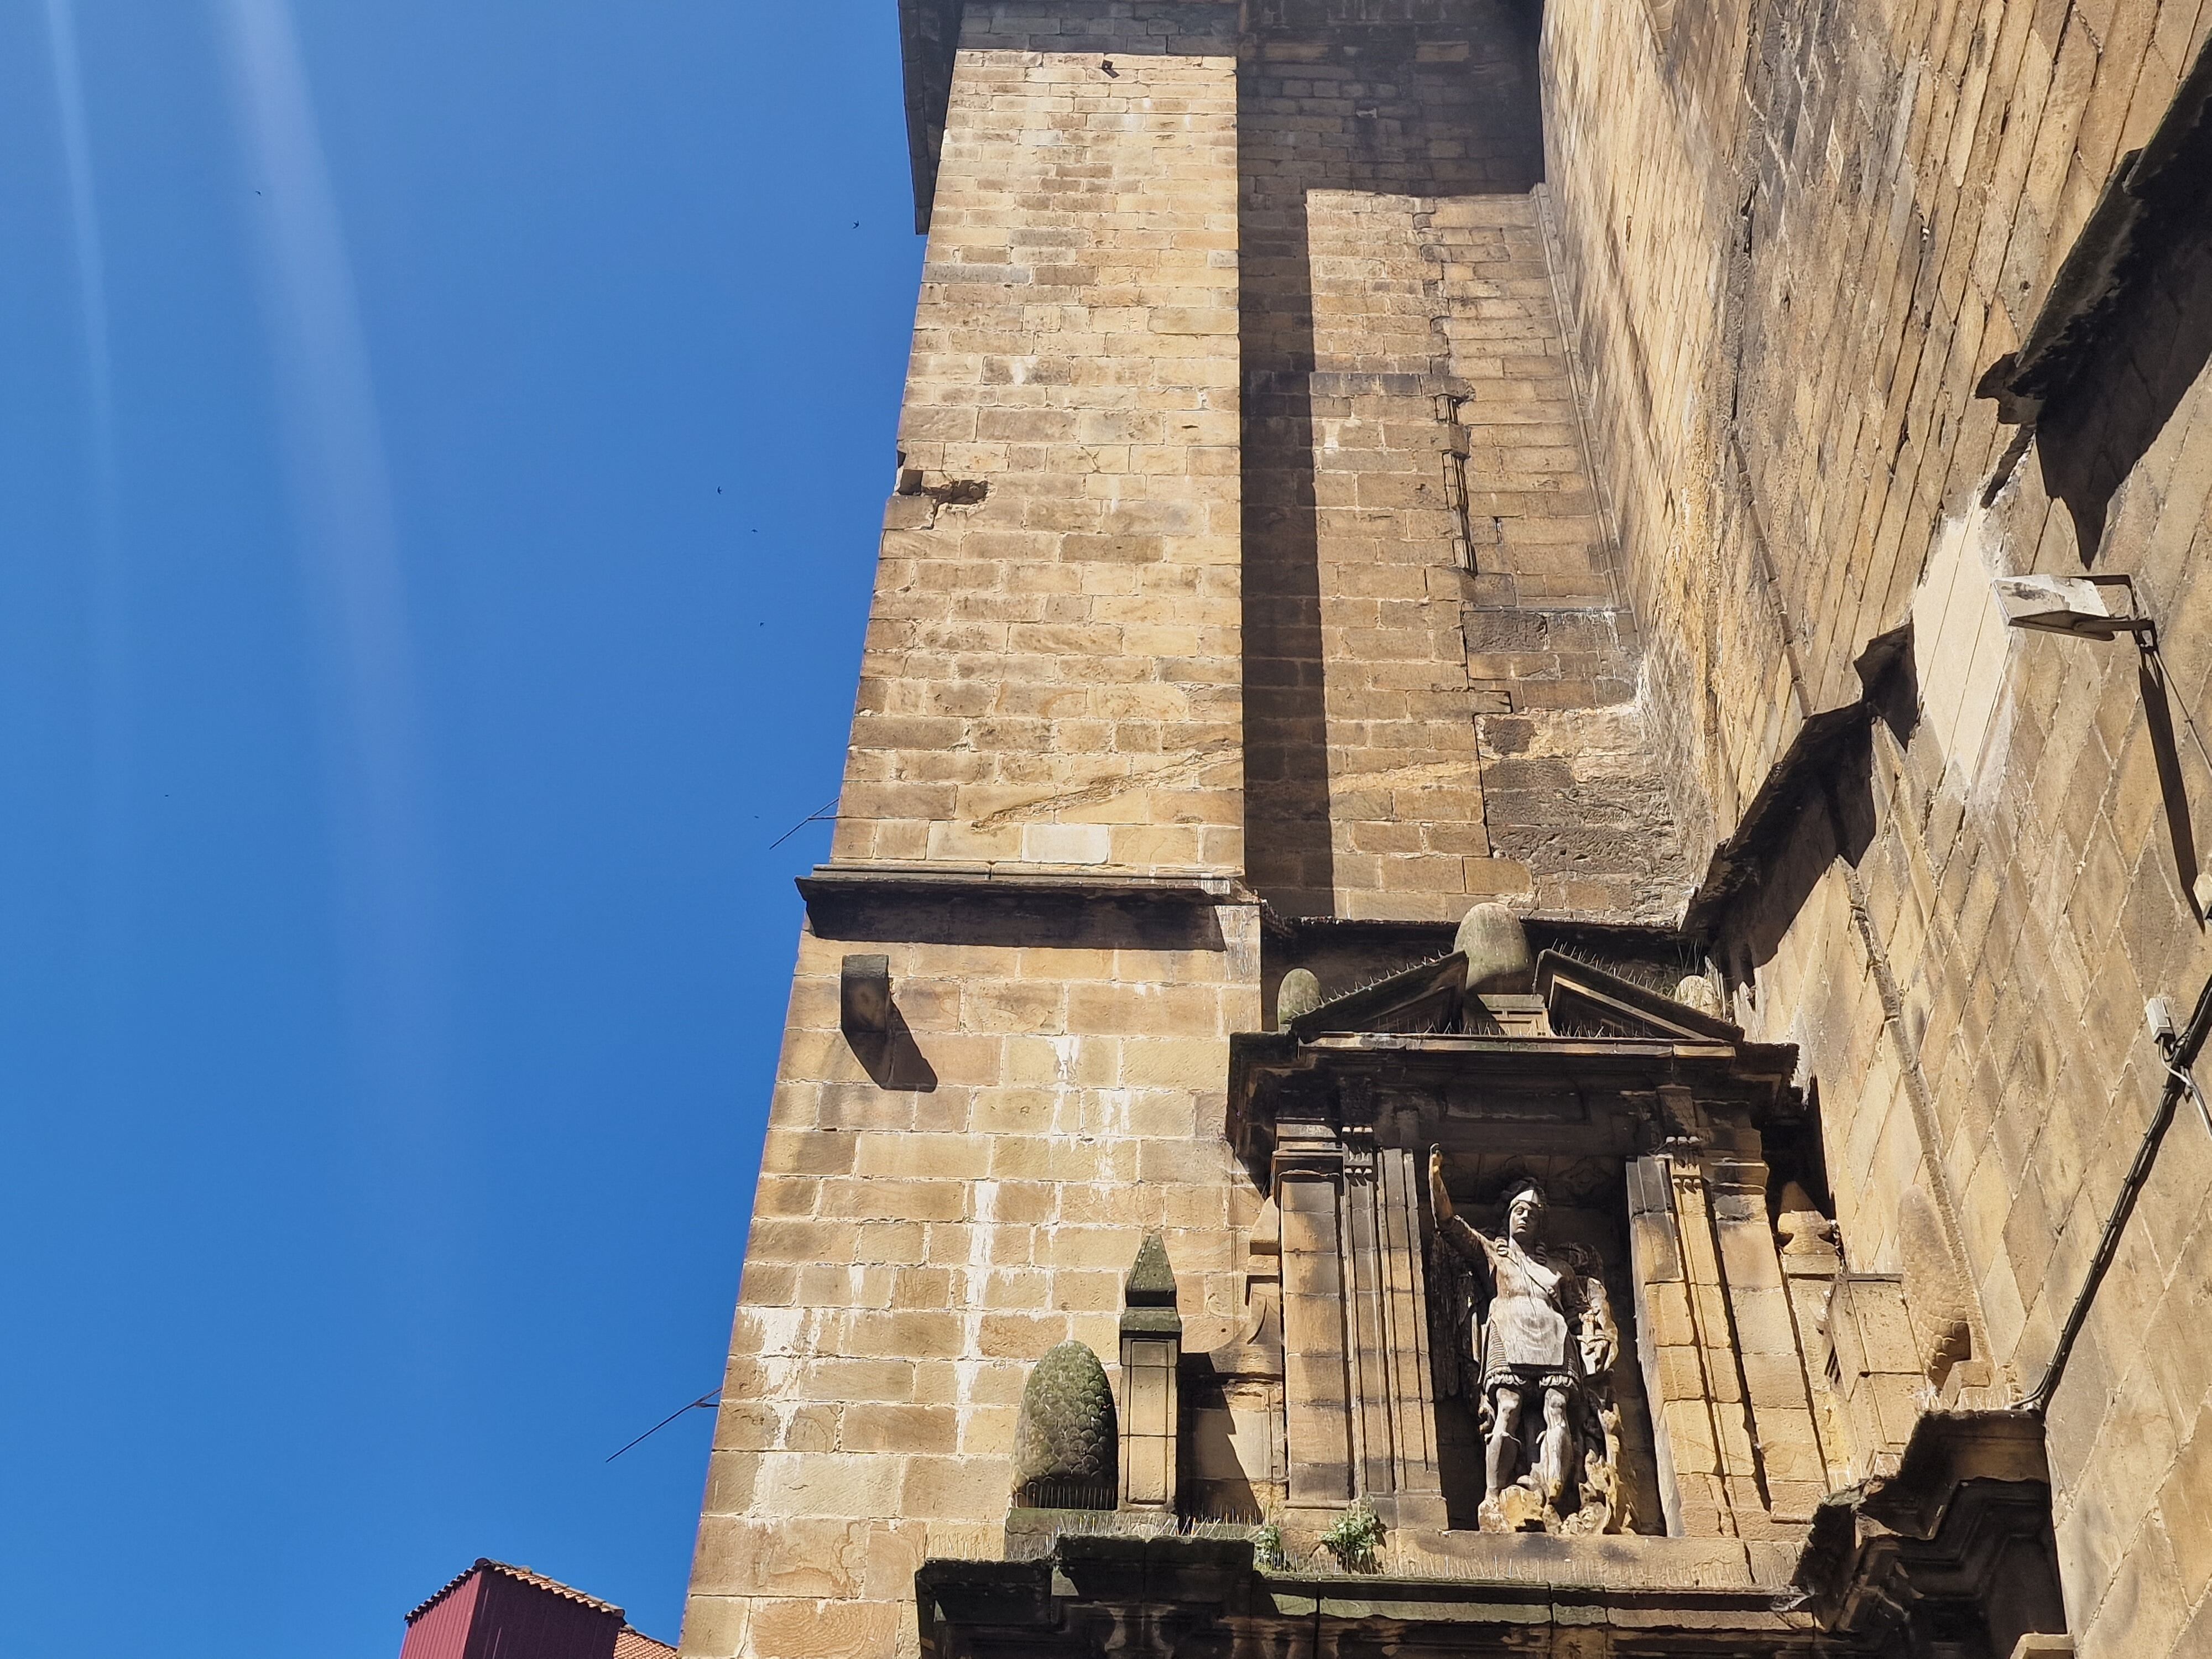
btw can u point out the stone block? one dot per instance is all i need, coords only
(811, 1629)
(954, 1488)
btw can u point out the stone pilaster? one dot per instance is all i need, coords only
(1738, 1450)
(1355, 1327)
(1151, 1350)
(1309, 1179)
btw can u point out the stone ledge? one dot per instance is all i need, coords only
(1558, 1596)
(941, 879)
(1633, 1562)
(1033, 905)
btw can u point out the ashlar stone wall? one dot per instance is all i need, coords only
(929, 1221)
(1424, 547)
(1557, 508)
(1052, 671)
(1794, 241)
(1049, 697)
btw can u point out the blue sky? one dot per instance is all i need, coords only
(441, 444)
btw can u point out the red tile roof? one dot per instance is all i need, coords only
(636, 1645)
(485, 1563)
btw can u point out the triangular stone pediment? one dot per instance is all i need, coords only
(1428, 997)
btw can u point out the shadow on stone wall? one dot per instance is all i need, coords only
(1337, 97)
(1817, 805)
(1010, 921)
(2127, 326)
(892, 1060)
(2158, 344)
(2174, 790)
(1835, 818)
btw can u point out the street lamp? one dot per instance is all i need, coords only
(2076, 605)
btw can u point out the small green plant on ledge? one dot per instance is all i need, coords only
(1352, 1536)
(1267, 1546)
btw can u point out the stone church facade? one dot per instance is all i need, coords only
(1482, 988)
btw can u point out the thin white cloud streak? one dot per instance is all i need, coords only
(349, 549)
(84, 210)
(108, 600)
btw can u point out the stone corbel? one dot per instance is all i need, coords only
(1951, 1551)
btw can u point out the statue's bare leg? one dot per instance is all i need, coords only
(1505, 1439)
(1552, 1468)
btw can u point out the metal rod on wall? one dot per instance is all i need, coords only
(2180, 1051)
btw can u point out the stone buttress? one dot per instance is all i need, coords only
(1468, 999)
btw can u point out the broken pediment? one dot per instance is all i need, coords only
(1516, 1085)
(1641, 1120)
(1572, 998)
(1583, 999)
(1428, 997)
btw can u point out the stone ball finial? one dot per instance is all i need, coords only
(1067, 1440)
(1298, 994)
(1696, 992)
(1496, 946)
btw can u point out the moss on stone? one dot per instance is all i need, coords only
(1067, 1439)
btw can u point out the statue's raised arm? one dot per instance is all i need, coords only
(1480, 1253)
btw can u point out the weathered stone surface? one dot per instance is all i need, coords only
(1401, 459)
(1496, 946)
(1151, 1410)
(1696, 991)
(1151, 1278)
(1793, 244)
(1051, 672)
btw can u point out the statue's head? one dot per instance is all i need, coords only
(1524, 1213)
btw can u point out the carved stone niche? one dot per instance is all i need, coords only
(1561, 1442)
(1645, 1126)
(1695, 1420)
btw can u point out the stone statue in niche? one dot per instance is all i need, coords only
(1540, 1332)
